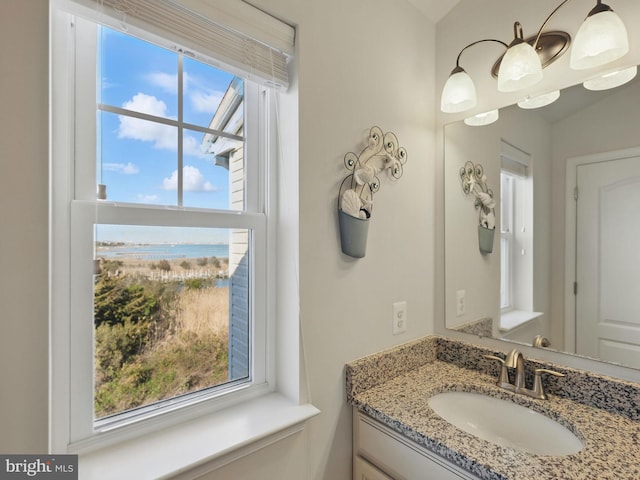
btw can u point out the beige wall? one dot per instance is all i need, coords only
(360, 63)
(466, 268)
(24, 139)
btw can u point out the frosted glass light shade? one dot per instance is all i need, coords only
(459, 93)
(539, 100)
(520, 68)
(481, 119)
(602, 38)
(612, 79)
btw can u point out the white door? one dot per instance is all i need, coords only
(608, 260)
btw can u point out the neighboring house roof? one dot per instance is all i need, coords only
(228, 118)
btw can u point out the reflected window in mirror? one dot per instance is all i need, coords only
(516, 238)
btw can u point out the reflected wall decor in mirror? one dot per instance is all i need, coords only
(553, 239)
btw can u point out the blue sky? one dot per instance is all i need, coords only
(137, 160)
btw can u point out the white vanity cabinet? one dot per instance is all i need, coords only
(382, 454)
(363, 470)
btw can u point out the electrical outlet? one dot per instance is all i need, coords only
(461, 303)
(399, 320)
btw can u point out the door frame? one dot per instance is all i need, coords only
(572, 164)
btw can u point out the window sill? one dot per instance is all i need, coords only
(200, 445)
(516, 318)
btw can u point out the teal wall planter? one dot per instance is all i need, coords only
(353, 234)
(485, 239)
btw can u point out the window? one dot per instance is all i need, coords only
(516, 231)
(160, 227)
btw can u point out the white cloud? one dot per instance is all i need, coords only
(147, 198)
(124, 168)
(192, 181)
(201, 96)
(106, 84)
(206, 102)
(166, 81)
(162, 136)
(192, 146)
(141, 102)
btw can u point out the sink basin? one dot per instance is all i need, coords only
(505, 423)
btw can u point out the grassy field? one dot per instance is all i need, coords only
(157, 339)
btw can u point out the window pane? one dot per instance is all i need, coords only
(505, 278)
(212, 98)
(206, 176)
(506, 203)
(138, 160)
(137, 75)
(170, 313)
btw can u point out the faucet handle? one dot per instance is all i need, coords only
(538, 371)
(537, 381)
(503, 379)
(493, 357)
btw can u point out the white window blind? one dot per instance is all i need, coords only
(246, 40)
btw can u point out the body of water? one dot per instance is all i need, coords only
(164, 251)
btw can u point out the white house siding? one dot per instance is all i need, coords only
(238, 275)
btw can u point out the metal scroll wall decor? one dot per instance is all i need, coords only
(475, 181)
(355, 196)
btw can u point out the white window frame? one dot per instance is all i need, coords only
(517, 218)
(507, 182)
(74, 211)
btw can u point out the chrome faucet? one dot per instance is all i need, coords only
(515, 360)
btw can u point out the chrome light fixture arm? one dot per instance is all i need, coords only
(544, 24)
(520, 67)
(477, 42)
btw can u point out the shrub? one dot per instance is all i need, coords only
(156, 339)
(169, 369)
(186, 265)
(202, 261)
(194, 283)
(116, 301)
(115, 345)
(164, 265)
(110, 266)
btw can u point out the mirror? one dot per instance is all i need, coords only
(545, 240)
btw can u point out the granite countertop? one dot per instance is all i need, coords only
(611, 438)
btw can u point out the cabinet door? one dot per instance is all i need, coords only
(363, 470)
(398, 456)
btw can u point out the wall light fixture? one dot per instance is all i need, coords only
(601, 39)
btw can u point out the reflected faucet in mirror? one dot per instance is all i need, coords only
(539, 342)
